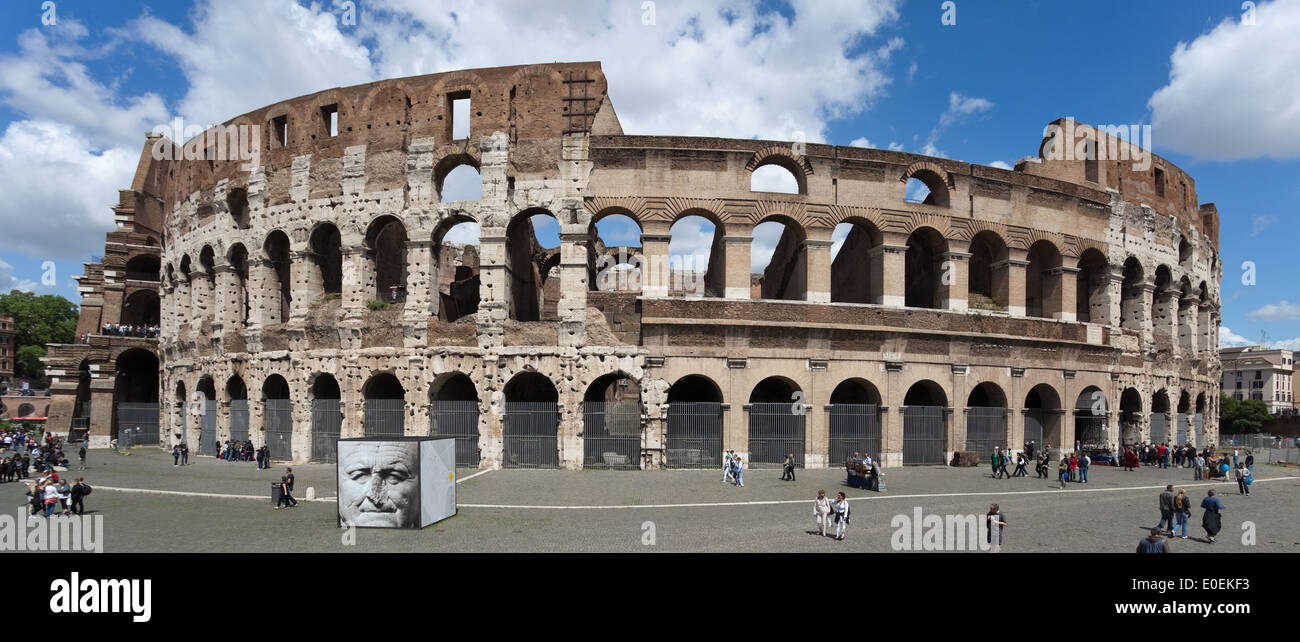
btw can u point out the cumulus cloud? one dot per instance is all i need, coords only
(861, 142)
(1000, 164)
(895, 147)
(1281, 311)
(1229, 339)
(10, 282)
(1232, 92)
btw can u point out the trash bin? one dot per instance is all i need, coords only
(276, 492)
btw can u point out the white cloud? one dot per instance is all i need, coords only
(861, 142)
(773, 178)
(463, 234)
(1228, 339)
(766, 236)
(690, 243)
(1260, 223)
(895, 147)
(911, 72)
(1000, 165)
(1287, 344)
(10, 282)
(960, 108)
(1232, 92)
(1282, 311)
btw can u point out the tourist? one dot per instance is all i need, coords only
(738, 471)
(1242, 475)
(726, 465)
(1250, 462)
(176, 456)
(82, 455)
(1153, 543)
(1235, 453)
(1040, 469)
(259, 459)
(787, 472)
(1002, 466)
(1064, 470)
(841, 505)
(995, 460)
(1167, 509)
(996, 521)
(1074, 466)
(1182, 512)
(1130, 459)
(285, 496)
(821, 511)
(35, 499)
(288, 474)
(65, 494)
(51, 496)
(1084, 462)
(185, 453)
(1212, 520)
(1198, 468)
(79, 491)
(1020, 466)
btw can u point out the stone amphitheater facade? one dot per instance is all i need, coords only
(310, 294)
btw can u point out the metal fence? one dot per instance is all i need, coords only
(385, 417)
(775, 430)
(137, 424)
(208, 428)
(1035, 418)
(924, 435)
(1198, 430)
(1089, 430)
(458, 419)
(326, 424)
(611, 434)
(239, 420)
(694, 435)
(279, 428)
(1267, 448)
(531, 434)
(1158, 431)
(854, 427)
(986, 428)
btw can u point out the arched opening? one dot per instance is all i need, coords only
(239, 264)
(986, 419)
(776, 422)
(926, 187)
(184, 302)
(1042, 419)
(854, 420)
(925, 434)
(614, 258)
(456, 265)
(206, 286)
(26, 410)
(237, 394)
(1130, 406)
(856, 274)
(385, 406)
(1090, 287)
(326, 418)
(237, 205)
(1159, 418)
(532, 251)
(987, 280)
(1205, 323)
(1090, 413)
(459, 181)
(453, 402)
(140, 311)
(278, 415)
(135, 395)
(777, 252)
(1162, 309)
(1132, 296)
(1197, 436)
(697, 260)
(144, 267)
(771, 177)
(1186, 317)
(611, 422)
(206, 395)
(1043, 281)
(694, 423)
(924, 269)
(531, 432)
(385, 246)
(327, 255)
(1184, 253)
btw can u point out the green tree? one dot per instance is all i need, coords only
(39, 320)
(1239, 417)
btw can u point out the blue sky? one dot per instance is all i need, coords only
(77, 95)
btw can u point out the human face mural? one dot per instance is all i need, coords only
(379, 484)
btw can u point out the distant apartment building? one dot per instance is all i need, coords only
(8, 349)
(1259, 373)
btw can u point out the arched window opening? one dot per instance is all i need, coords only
(237, 395)
(925, 426)
(1133, 295)
(1043, 281)
(279, 289)
(696, 258)
(385, 406)
(773, 178)
(926, 188)
(777, 253)
(1159, 419)
(531, 423)
(277, 410)
(454, 413)
(239, 264)
(456, 265)
(1042, 418)
(1163, 310)
(986, 419)
(694, 432)
(776, 422)
(611, 416)
(141, 311)
(326, 418)
(855, 270)
(144, 267)
(532, 261)
(385, 246)
(461, 183)
(854, 418)
(924, 269)
(988, 279)
(1090, 414)
(1091, 284)
(327, 254)
(614, 258)
(237, 205)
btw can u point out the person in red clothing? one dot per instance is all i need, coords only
(1074, 466)
(1162, 456)
(1130, 459)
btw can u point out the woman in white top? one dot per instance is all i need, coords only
(841, 505)
(51, 497)
(822, 511)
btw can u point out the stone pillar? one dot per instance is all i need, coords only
(358, 281)
(419, 293)
(1187, 325)
(737, 262)
(954, 280)
(263, 300)
(182, 304)
(494, 296)
(572, 308)
(1016, 269)
(891, 417)
(1205, 328)
(101, 410)
(1113, 298)
(1064, 297)
(817, 249)
(307, 286)
(1148, 313)
(1166, 320)
(655, 270)
(228, 315)
(889, 278)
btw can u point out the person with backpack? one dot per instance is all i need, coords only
(1084, 462)
(176, 456)
(1064, 470)
(79, 491)
(1182, 512)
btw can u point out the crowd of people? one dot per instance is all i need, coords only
(48, 494)
(1175, 513)
(244, 451)
(139, 331)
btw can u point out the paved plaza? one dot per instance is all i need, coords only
(218, 506)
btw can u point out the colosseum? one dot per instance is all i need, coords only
(328, 290)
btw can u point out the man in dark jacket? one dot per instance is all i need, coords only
(1153, 543)
(1167, 509)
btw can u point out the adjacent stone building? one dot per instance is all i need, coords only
(1261, 374)
(310, 295)
(8, 350)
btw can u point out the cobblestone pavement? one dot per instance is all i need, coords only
(684, 510)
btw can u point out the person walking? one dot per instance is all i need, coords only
(1250, 462)
(1242, 475)
(787, 469)
(176, 456)
(1020, 466)
(1074, 467)
(1084, 462)
(288, 476)
(1064, 470)
(82, 454)
(79, 492)
(822, 511)
(1002, 466)
(1167, 509)
(1182, 512)
(1212, 520)
(1153, 543)
(726, 465)
(994, 460)
(996, 520)
(738, 471)
(1040, 468)
(1235, 454)
(51, 496)
(286, 498)
(1198, 468)
(259, 459)
(185, 453)
(841, 505)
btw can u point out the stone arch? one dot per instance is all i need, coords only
(325, 243)
(936, 178)
(1043, 412)
(784, 157)
(855, 273)
(278, 290)
(1043, 276)
(470, 157)
(616, 267)
(988, 279)
(455, 270)
(785, 277)
(1091, 286)
(526, 263)
(923, 268)
(385, 247)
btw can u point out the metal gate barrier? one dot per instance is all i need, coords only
(1034, 420)
(1089, 430)
(611, 434)
(326, 424)
(1184, 425)
(694, 435)
(385, 417)
(531, 435)
(137, 424)
(986, 428)
(458, 419)
(775, 430)
(854, 427)
(239, 420)
(279, 428)
(208, 428)
(923, 435)
(1198, 435)
(1159, 433)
